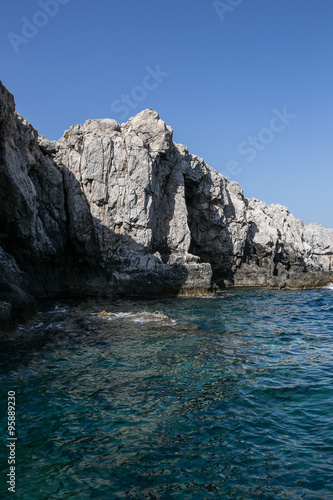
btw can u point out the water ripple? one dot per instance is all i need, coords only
(233, 401)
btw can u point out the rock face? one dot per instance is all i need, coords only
(122, 209)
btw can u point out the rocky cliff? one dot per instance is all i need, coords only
(123, 210)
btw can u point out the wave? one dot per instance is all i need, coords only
(329, 286)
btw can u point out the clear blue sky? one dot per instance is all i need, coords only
(221, 76)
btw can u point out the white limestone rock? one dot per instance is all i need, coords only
(122, 209)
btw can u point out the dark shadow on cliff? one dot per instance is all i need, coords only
(210, 236)
(90, 259)
(162, 207)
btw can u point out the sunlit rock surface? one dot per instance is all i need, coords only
(120, 209)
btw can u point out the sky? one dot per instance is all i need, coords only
(245, 84)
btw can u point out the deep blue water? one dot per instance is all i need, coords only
(234, 400)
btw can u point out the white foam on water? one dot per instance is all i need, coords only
(31, 328)
(164, 321)
(113, 316)
(58, 309)
(329, 286)
(137, 318)
(143, 320)
(52, 325)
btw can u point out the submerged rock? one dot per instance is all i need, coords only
(138, 317)
(123, 210)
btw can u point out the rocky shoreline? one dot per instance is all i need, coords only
(121, 210)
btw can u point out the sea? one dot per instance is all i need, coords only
(228, 396)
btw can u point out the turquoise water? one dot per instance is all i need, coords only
(234, 400)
